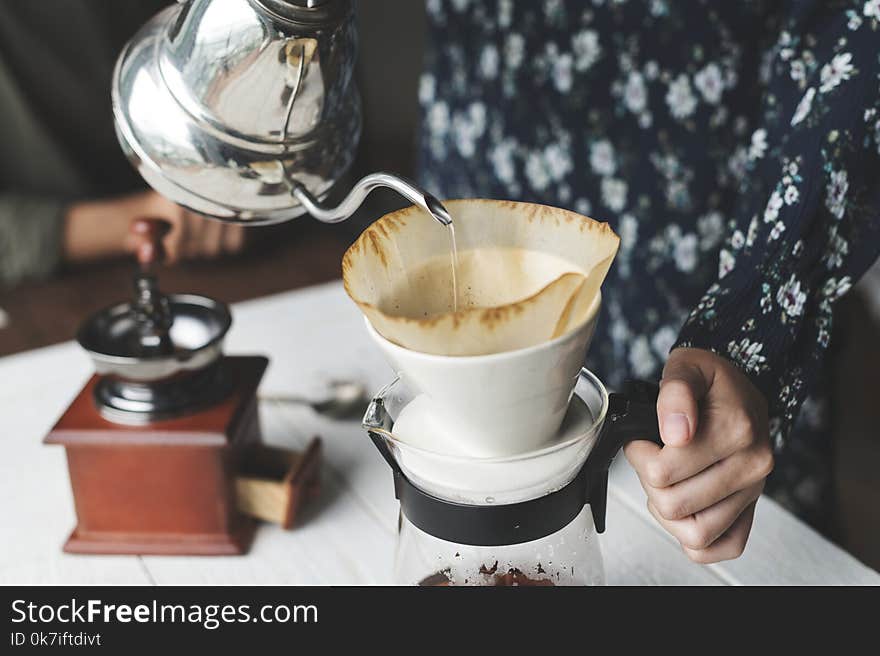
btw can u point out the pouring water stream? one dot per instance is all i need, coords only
(454, 253)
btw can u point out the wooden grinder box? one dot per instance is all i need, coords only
(167, 487)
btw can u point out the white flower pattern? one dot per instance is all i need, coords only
(838, 186)
(791, 297)
(759, 144)
(614, 193)
(748, 354)
(710, 83)
(681, 100)
(585, 46)
(804, 107)
(836, 71)
(735, 164)
(602, 157)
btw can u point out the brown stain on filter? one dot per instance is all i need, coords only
(532, 212)
(396, 220)
(371, 238)
(495, 316)
(376, 243)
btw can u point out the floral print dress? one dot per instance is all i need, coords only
(733, 146)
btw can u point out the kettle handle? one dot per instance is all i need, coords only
(632, 415)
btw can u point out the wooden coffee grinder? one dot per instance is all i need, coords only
(159, 440)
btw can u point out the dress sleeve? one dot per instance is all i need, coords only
(31, 231)
(808, 222)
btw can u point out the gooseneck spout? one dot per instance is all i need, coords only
(359, 192)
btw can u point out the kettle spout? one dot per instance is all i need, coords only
(359, 192)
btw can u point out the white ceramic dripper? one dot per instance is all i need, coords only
(495, 405)
(497, 373)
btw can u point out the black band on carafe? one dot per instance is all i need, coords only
(631, 415)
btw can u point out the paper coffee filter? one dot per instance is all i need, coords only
(526, 274)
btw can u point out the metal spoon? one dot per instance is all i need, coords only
(347, 398)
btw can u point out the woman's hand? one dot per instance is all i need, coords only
(703, 485)
(95, 229)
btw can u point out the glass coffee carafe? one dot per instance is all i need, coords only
(569, 556)
(529, 519)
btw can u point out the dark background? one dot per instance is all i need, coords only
(305, 252)
(298, 253)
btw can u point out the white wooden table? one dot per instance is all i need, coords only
(312, 336)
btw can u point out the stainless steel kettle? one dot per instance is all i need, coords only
(246, 111)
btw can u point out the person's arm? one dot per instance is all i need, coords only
(100, 228)
(807, 227)
(37, 234)
(812, 228)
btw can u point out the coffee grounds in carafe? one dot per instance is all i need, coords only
(490, 578)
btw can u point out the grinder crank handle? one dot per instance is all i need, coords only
(632, 415)
(150, 249)
(150, 307)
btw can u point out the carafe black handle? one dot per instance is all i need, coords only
(632, 415)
